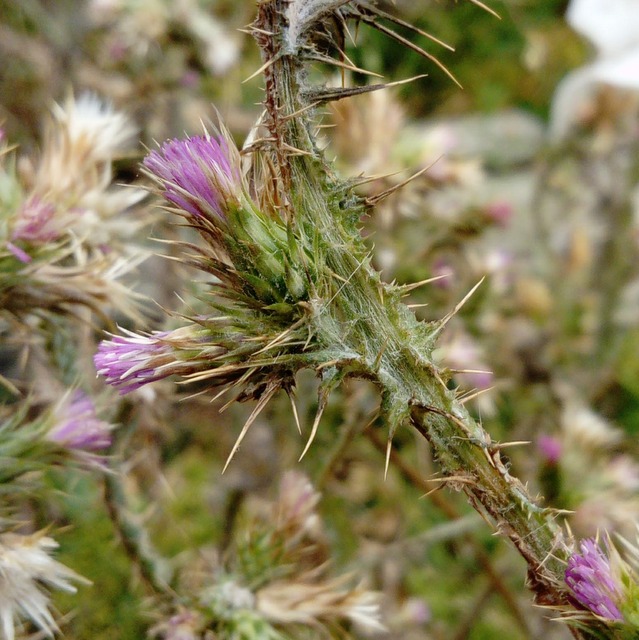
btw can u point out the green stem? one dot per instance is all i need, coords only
(154, 570)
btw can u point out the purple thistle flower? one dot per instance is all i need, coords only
(77, 426)
(129, 362)
(590, 577)
(200, 175)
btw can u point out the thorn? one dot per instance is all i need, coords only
(474, 395)
(364, 259)
(295, 414)
(445, 481)
(256, 144)
(224, 407)
(295, 114)
(410, 45)
(389, 446)
(294, 151)
(505, 445)
(318, 417)
(381, 176)
(418, 306)
(327, 364)
(405, 288)
(408, 25)
(485, 7)
(329, 95)
(469, 371)
(340, 50)
(218, 395)
(191, 396)
(444, 321)
(262, 402)
(378, 357)
(263, 68)
(373, 200)
(346, 29)
(251, 30)
(282, 336)
(343, 65)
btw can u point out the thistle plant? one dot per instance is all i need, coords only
(292, 287)
(287, 284)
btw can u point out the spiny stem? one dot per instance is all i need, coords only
(362, 327)
(449, 510)
(134, 537)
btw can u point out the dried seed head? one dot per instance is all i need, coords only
(25, 566)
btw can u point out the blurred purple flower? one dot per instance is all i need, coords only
(200, 175)
(550, 448)
(590, 578)
(77, 427)
(462, 353)
(129, 362)
(19, 253)
(417, 611)
(190, 79)
(500, 212)
(36, 222)
(443, 270)
(185, 625)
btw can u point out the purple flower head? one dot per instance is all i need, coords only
(200, 175)
(36, 222)
(129, 362)
(590, 577)
(77, 427)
